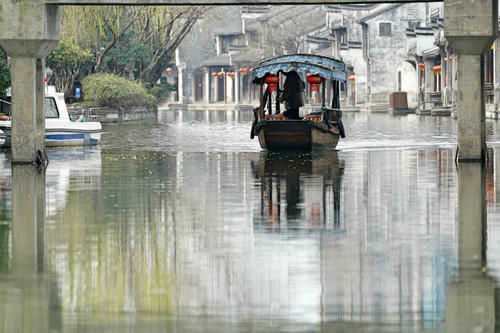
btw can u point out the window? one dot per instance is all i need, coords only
(413, 24)
(341, 35)
(384, 29)
(51, 108)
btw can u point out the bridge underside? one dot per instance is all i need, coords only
(217, 2)
(29, 29)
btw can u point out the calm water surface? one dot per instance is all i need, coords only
(185, 225)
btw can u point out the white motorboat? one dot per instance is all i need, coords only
(60, 130)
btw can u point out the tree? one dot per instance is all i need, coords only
(128, 39)
(4, 75)
(67, 61)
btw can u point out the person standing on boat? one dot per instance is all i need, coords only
(292, 91)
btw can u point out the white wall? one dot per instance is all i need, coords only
(408, 81)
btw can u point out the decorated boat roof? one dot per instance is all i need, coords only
(311, 58)
(327, 73)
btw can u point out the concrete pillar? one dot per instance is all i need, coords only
(496, 73)
(470, 28)
(180, 85)
(215, 91)
(471, 108)
(27, 34)
(470, 298)
(28, 122)
(237, 85)
(428, 83)
(206, 86)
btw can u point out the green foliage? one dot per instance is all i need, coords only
(116, 92)
(67, 61)
(4, 75)
(161, 91)
(69, 55)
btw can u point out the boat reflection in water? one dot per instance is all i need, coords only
(299, 190)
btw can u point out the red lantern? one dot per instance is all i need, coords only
(214, 74)
(314, 81)
(221, 74)
(244, 70)
(445, 59)
(352, 78)
(169, 70)
(272, 81)
(436, 68)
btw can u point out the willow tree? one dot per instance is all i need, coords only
(128, 39)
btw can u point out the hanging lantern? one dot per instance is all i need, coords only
(445, 59)
(352, 78)
(421, 65)
(314, 81)
(221, 75)
(272, 82)
(436, 69)
(450, 58)
(214, 74)
(169, 70)
(244, 70)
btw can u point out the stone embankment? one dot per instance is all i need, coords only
(106, 115)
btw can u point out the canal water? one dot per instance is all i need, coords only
(185, 225)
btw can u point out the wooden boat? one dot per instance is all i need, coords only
(320, 129)
(60, 130)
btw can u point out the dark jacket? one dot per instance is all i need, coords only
(292, 90)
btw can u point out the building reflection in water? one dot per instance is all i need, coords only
(299, 190)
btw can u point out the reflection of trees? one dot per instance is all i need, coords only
(121, 261)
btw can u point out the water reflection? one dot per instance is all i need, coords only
(299, 190)
(363, 240)
(29, 299)
(470, 297)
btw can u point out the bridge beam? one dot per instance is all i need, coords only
(470, 28)
(28, 31)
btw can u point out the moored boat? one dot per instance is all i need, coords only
(320, 129)
(60, 130)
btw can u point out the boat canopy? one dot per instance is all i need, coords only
(311, 58)
(259, 73)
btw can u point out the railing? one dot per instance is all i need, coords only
(435, 98)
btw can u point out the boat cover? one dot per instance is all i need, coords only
(312, 58)
(325, 72)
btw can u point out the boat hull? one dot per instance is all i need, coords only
(74, 134)
(296, 135)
